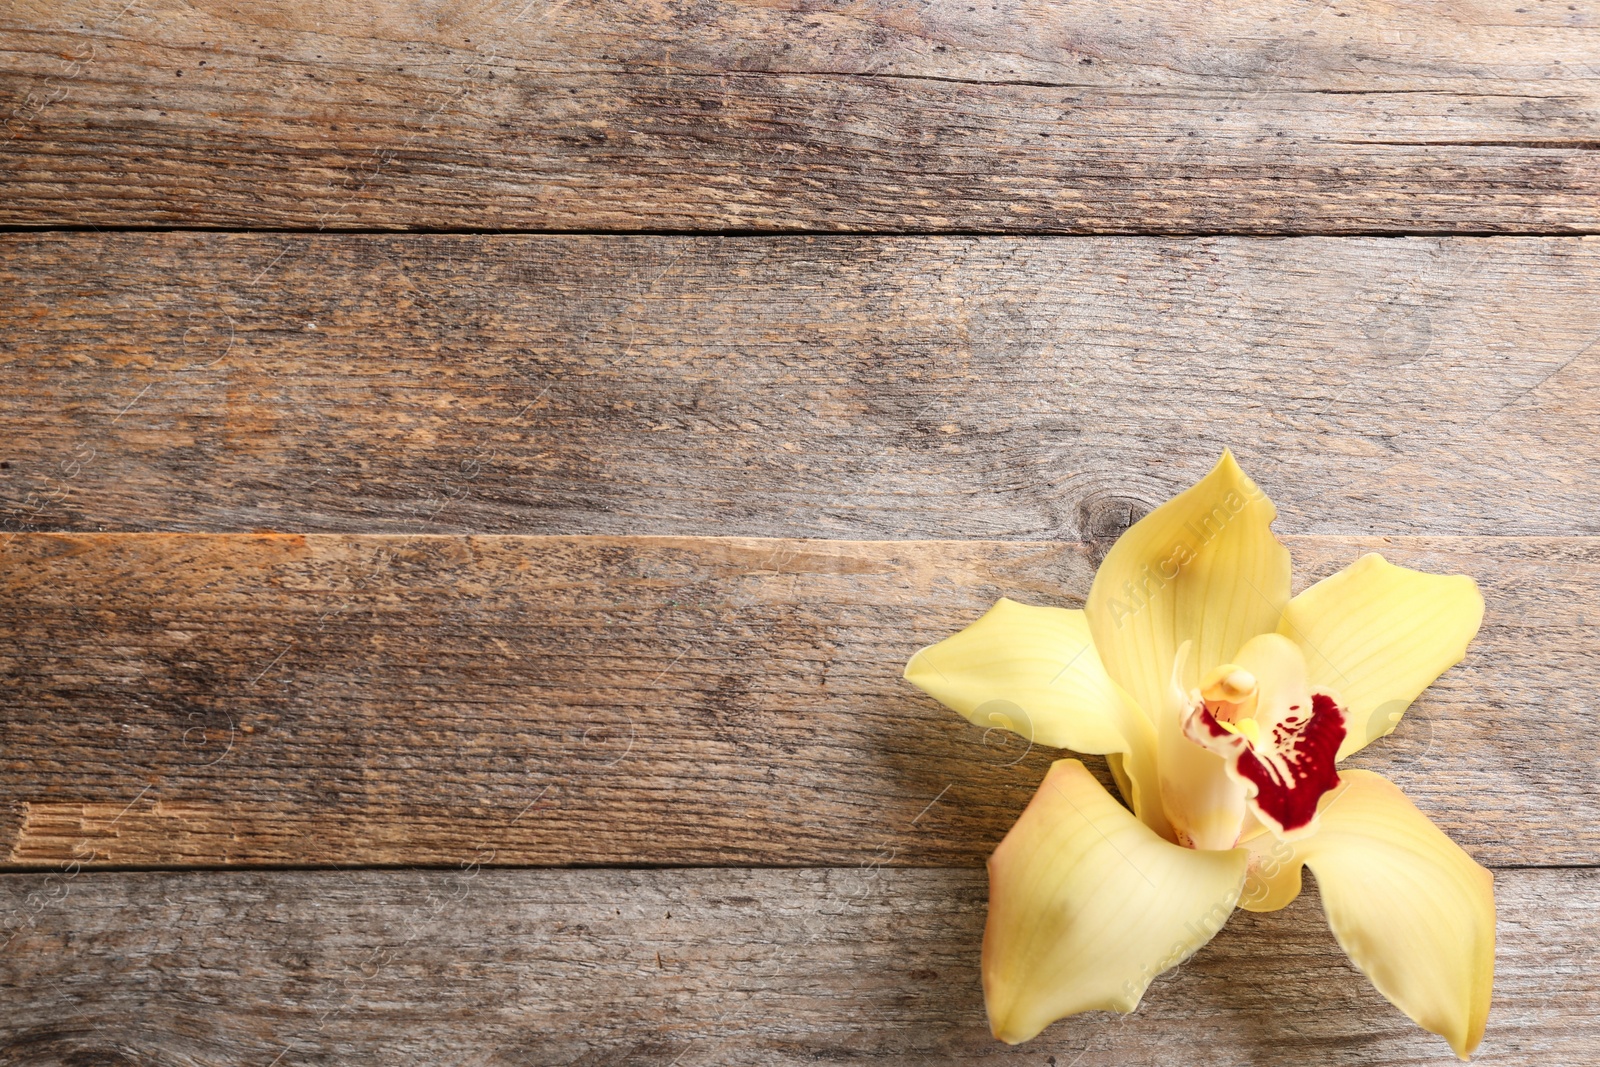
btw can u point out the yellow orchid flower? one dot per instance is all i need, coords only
(1222, 706)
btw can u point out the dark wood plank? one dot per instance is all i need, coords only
(690, 968)
(847, 387)
(1027, 117)
(282, 699)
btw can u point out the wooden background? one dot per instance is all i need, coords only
(472, 473)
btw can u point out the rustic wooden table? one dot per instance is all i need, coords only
(472, 473)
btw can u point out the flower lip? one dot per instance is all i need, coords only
(1286, 770)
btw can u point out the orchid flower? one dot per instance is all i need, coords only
(1222, 706)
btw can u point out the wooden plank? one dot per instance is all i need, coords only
(845, 387)
(1280, 116)
(282, 699)
(697, 967)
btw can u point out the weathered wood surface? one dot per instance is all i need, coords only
(194, 700)
(328, 699)
(692, 968)
(1028, 116)
(845, 387)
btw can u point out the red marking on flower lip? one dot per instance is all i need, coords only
(1288, 794)
(1293, 768)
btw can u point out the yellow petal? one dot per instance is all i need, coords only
(1087, 905)
(1411, 909)
(1377, 635)
(1034, 671)
(1203, 567)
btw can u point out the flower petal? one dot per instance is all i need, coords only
(1377, 635)
(1203, 567)
(1087, 905)
(1034, 671)
(1411, 909)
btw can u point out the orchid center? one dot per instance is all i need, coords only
(1276, 736)
(1231, 694)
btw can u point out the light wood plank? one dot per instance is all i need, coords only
(1277, 116)
(858, 388)
(698, 967)
(282, 699)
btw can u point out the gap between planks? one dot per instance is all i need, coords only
(467, 231)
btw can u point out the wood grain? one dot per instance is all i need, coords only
(697, 967)
(206, 700)
(1271, 117)
(842, 387)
